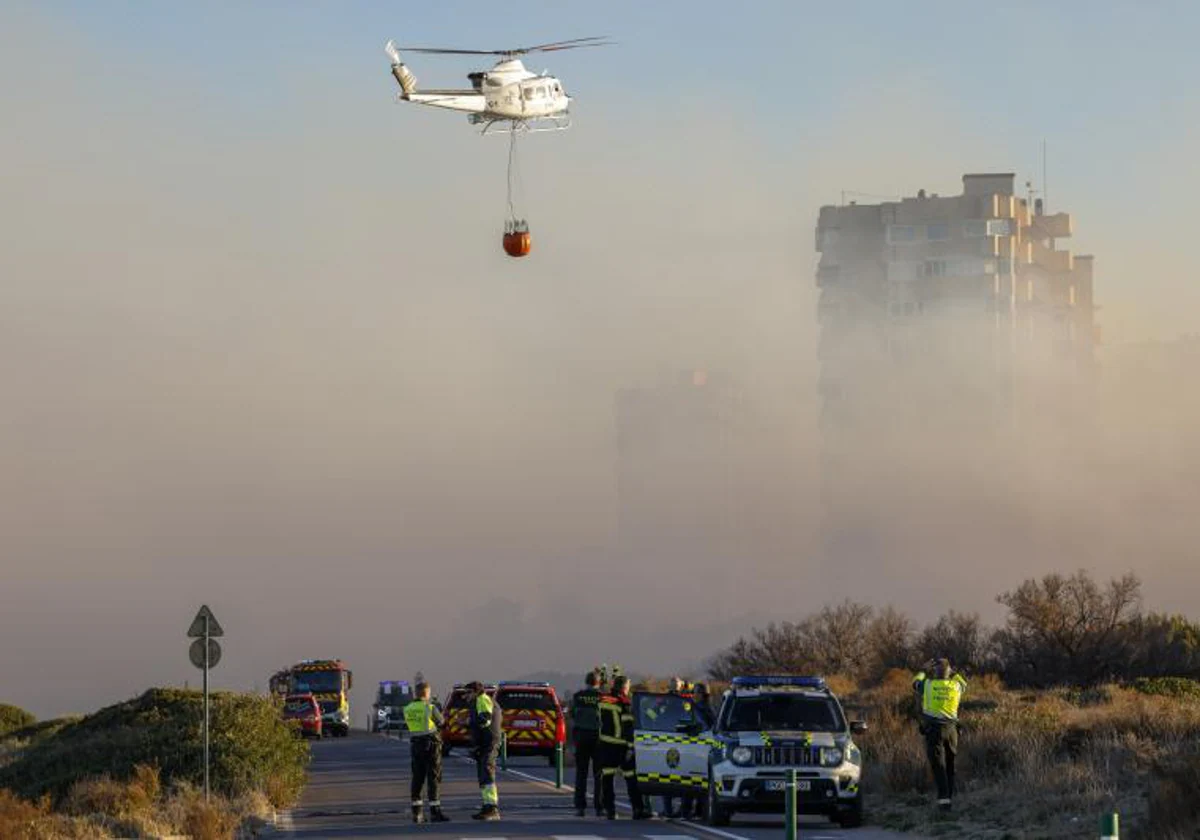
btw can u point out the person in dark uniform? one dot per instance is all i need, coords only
(706, 719)
(424, 722)
(486, 718)
(585, 732)
(616, 751)
(679, 688)
(939, 695)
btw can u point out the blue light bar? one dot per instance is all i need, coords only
(525, 683)
(817, 683)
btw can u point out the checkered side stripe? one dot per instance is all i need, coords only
(673, 778)
(663, 738)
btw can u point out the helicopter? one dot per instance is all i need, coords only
(508, 97)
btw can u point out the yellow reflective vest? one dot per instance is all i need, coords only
(940, 698)
(422, 718)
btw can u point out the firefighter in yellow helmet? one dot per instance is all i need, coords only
(939, 693)
(615, 750)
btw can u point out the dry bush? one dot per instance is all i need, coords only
(209, 820)
(1175, 797)
(18, 815)
(841, 684)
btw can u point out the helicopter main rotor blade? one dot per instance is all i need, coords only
(553, 46)
(563, 44)
(439, 51)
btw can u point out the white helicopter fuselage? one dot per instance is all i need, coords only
(506, 92)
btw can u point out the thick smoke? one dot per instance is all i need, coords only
(268, 356)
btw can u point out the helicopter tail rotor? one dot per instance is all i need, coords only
(404, 76)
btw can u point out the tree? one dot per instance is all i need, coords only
(13, 718)
(1069, 629)
(961, 638)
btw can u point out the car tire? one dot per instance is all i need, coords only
(446, 750)
(718, 815)
(852, 817)
(552, 760)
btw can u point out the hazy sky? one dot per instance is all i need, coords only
(259, 347)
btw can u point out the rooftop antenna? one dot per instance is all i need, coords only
(1045, 190)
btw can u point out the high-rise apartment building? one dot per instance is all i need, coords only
(944, 322)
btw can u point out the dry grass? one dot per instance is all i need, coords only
(104, 808)
(1039, 763)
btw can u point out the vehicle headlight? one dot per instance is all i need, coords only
(853, 753)
(382, 713)
(741, 755)
(830, 756)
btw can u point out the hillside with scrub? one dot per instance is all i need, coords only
(134, 769)
(1080, 704)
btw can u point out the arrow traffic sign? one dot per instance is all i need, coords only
(196, 631)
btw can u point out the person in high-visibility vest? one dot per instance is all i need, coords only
(424, 722)
(486, 719)
(939, 694)
(615, 751)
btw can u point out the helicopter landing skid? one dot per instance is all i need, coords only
(531, 126)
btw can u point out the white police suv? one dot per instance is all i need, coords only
(766, 726)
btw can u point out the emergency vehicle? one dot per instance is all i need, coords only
(456, 731)
(767, 725)
(306, 712)
(533, 722)
(390, 700)
(330, 681)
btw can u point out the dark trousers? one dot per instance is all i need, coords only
(617, 759)
(426, 768)
(586, 764)
(941, 745)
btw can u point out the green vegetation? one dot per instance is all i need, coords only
(134, 768)
(14, 717)
(1180, 687)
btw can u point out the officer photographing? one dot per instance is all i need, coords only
(939, 694)
(585, 732)
(486, 720)
(425, 721)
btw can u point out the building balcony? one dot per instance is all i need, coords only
(1056, 262)
(1056, 226)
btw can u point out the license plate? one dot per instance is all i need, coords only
(779, 785)
(526, 724)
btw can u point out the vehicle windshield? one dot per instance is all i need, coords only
(663, 712)
(458, 700)
(770, 712)
(394, 695)
(541, 701)
(298, 707)
(318, 682)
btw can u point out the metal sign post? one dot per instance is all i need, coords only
(205, 653)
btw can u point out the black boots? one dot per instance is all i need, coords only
(436, 815)
(418, 815)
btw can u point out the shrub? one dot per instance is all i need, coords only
(1178, 687)
(13, 718)
(251, 745)
(17, 817)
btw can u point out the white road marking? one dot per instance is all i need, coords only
(716, 832)
(576, 837)
(284, 821)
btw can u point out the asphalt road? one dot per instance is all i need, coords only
(358, 788)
